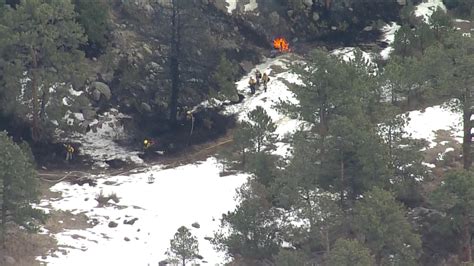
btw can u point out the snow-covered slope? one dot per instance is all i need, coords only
(179, 196)
(186, 194)
(100, 143)
(423, 124)
(427, 7)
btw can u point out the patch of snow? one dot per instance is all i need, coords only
(251, 6)
(429, 165)
(178, 196)
(347, 53)
(462, 20)
(389, 31)
(231, 5)
(73, 92)
(65, 102)
(423, 124)
(102, 145)
(427, 7)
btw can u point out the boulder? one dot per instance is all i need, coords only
(247, 66)
(96, 95)
(8, 260)
(103, 88)
(147, 49)
(308, 3)
(221, 5)
(130, 222)
(146, 107)
(315, 16)
(274, 18)
(196, 225)
(113, 224)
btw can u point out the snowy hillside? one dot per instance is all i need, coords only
(193, 193)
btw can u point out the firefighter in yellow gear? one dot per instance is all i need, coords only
(147, 144)
(69, 152)
(252, 84)
(265, 80)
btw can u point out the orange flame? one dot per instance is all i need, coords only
(281, 44)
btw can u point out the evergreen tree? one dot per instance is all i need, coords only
(262, 129)
(93, 16)
(223, 77)
(290, 258)
(191, 53)
(254, 136)
(251, 230)
(455, 197)
(380, 220)
(184, 247)
(350, 253)
(18, 188)
(41, 61)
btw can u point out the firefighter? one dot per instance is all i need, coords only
(69, 152)
(258, 76)
(265, 80)
(252, 84)
(147, 144)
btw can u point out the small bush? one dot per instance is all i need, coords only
(104, 200)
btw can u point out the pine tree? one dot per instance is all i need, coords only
(262, 128)
(251, 230)
(93, 16)
(380, 220)
(18, 188)
(350, 253)
(41, 61)
(224, 76)
(455, 197)
(184, 247)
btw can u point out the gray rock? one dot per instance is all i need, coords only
(108, 76)
(247, 66)
(146, 107)
(290, 13)
(126, 239)
(8, 260)
(113, 224)
(130, 222)
(103, 88)
(274, 18)
(221, 5)
(147, 49)
(196, 225)
(89, 114)
(308, 3)
(96, 95)
(315, 16)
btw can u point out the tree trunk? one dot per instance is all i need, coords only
(466, 145)
(184, 261)
(467, 239)
(35, 134)
(174, 62)
(328, 4)
(342, 180)
(4, 214)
